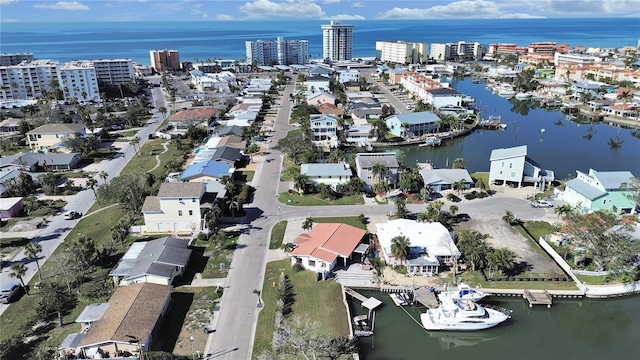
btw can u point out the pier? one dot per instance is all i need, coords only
(538, 298)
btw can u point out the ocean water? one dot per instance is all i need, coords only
(225, 40)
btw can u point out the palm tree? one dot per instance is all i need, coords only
(18, 271)
(400, 247)
(103, 175)
(233, 205)
(459, 163)
(563, 210)
(401, 207)
(163, 110)
(460, 185)
(135, 141)
(32, 250)
(91, 183)
(453, 209)
(307, 225)
(625, 96)
(378, 171)
(300, 182)
(252, 149)
(501, 260)
(473, 246)
(509, 218)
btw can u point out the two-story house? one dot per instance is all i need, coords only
(443, 97)
(601, 190)
(176, 208)
(330, 174)
(317, 83)
(413, 124)
(513, 166)
(323, 127)
(366, 161)
(51, 137)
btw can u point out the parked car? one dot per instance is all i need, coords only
(10, 292)
(70, 215)
(541, 204)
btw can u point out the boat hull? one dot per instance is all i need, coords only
(432, 321)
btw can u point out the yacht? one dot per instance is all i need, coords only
(432, 141)
(506, 90)
(523, 96)
(462, 315)
(465, 292)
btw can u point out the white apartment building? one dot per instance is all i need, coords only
(78, 80)
(113, 71)
(574, 59)
(456, 51)
(14, 58)
(401, 52)
(348, 75)
(281, 52)
(27, 80)
(337, 41)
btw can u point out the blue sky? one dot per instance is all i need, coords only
(229, 10)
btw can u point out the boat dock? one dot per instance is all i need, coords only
(426, 297)
(354, 294)
(538, 298)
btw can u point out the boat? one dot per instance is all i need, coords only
(505, 90)
(361, 326)
(463, 315)
(523, 96)
(401, 299)
(432, 141)
(465, 292)
(493, 122)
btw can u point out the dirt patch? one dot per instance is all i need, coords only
(27, 225)
(503, 235)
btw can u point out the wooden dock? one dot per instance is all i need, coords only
(355, 294)
(538, 298)
(426, 297)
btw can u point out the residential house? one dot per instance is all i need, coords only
(323, 127)
(514, 166)
(443, 97)
(229, 130)
(357, 96)
(329, 173)
(363, 111)
(10, 125)
(395, 75)
(200, 116)
(359, 134)
(348, 75)
(351, 86)
(129, 324)
(210, 170)
(90, 314)
(319, 70)
(10, 207)
(413, 124)
(317, 83)
(320, 97)
(228, 154)
(366, 161)
(431, 245)
(445, 179)
(330, 109)
(601, 190)
(176, 208)
(229, 140)
(157, 261)
(51, 137)
(319, 249)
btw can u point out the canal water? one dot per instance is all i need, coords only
(557, 144)
(572, 329)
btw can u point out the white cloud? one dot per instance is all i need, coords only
(63, 5)
(7, 2)
(9, 21)
(290, 8)
(224, 17)
(594, 7)
(521, 16)
(357, 4)
(196, 10)
(344, 17)
(465, 9)
(330, 1)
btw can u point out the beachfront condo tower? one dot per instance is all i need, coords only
(337, 41)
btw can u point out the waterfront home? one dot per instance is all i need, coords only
(317, 83)
(323, 127)
(51, 137)
(442, 97)
(320, 97)
(623, 110)
(514, 167)
(157, 261)
(176, 209)
(348, 75)
(320, 248)
(10, 207)
(328, 173)
(366, 161)
(601, 190)
(351, 86)
(413, 124)
(330, 109)
(445, 179)
(431, 245)
(210, 170)
(359, 134)
(590, 88)
(363, 111)
(129, 323)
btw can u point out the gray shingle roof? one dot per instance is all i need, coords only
(368, 160)
(586, 190)
(180, 189)
(444, 176)
(92, 312)
(443, 91)
(506, 153)
(159, 256)
(613, 179)
(227, 153)
(413, 118)
(57, 128)
(151, 204)
(325, 170)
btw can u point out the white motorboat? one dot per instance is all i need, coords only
(401, 299)
(465, 292)
(432, 141)
(505, 90)
(361, 326)
(462, 315)
(523, 96)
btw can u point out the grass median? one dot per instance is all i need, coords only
(310, 200)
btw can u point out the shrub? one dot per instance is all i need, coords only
(362, 219)
(453, 198)
(298, 267)
(469, 196)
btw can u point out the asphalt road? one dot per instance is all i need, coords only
(57, 230)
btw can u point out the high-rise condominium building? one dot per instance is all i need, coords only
(113, 71)
(14, 59)
(28, 79)
(165, 60)
(78, 80)
(337, 41)
(401, 52)
(456, 51)
(281, 52)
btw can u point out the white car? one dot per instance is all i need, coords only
(70, 215)
(541, 204)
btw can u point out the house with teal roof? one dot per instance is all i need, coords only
(601, 190)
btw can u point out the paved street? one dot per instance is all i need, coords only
(56, 231)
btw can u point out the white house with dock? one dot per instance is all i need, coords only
(512, 166)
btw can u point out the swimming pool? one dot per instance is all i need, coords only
(16, 103)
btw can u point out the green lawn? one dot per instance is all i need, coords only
(314, 301)
(247, 175)
(482, 175)
(277, 234)
(349, 220)
(144, 161)
(310, 200)
(212, 256)
(475, 279)
(536, 229)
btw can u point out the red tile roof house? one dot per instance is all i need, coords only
(319, 249)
